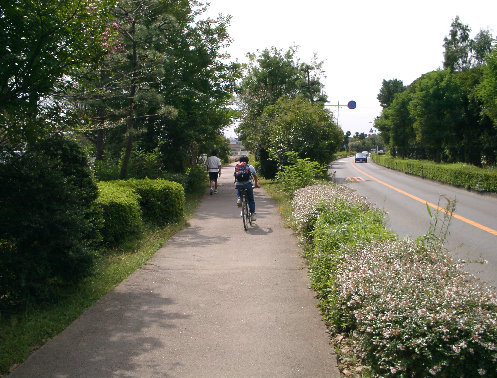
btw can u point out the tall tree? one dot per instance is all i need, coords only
(388, 90)
(165, 83)
(481, 45)
(461, 52)
(295, 124)
(144, 26)
(402, 136)
(270, 75)
(488, 88)
(436, 106)
(42, 41)
(199, 81)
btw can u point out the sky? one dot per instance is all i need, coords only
(361, 42)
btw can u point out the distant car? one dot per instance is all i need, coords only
(361, 158)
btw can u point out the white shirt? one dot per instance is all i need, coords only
(213, 163)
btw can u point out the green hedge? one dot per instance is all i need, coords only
(161, 201)
(463, 175)
(121, 211)
(126, 204)
(48, 221)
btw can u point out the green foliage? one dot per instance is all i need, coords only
(161, 201)
(443, 116)
(436, 107)
(271, 75)
(488, 87)
(463, 175)
(196, 179)
(41, 42)
(299, 173)
(106, 170)
(48, 222)
(457, 55)
(338, 226)
(145, 165)
(303, 127)
(389, 88)
(121, 211)
(407, 308)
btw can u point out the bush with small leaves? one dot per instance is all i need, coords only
(301, 173)
(48, 221)
(121, 211)
(161, 201)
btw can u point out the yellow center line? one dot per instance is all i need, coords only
(466, 220)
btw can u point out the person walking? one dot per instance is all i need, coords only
(213, 164)
(244, 173)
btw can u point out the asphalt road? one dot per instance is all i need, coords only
(473, 229)
(214, 301)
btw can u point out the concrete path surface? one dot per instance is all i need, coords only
(214, 301)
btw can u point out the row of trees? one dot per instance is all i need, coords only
(117, 80)
(281, 103)
(450, 114)
(130, 76)
(150, 80)
(125, 82)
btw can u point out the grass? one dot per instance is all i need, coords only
(23, 332)
(275, 190)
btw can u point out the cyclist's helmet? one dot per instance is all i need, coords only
(244, 159)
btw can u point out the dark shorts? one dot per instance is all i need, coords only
(213, 176)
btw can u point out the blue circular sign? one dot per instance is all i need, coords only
(351, 105)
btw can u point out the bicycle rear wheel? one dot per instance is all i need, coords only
(245, 212)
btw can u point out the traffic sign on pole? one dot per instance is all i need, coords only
(351, 105)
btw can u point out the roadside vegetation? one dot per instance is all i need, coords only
(447, 115)
(107, 108)
(47, 282)
(456, 174)
(394, 307)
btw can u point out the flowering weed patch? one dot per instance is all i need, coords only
(415, 312)
(307, 201)
(409, 308)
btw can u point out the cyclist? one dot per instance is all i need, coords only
(248, 185)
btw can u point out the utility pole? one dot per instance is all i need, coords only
(351, 105)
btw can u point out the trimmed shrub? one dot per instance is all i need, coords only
(121, 212)
(459, 174)
(161, 201)
(48, 221)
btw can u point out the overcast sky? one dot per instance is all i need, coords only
(361, 42)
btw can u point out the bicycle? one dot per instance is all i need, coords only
(246, 216)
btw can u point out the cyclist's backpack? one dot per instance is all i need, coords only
(242, 172)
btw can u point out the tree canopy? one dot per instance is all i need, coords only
(274, 80)
(43, 42)
(295, 124)
(446, 115)
(134, 76)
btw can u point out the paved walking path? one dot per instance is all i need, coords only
(214, 301)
